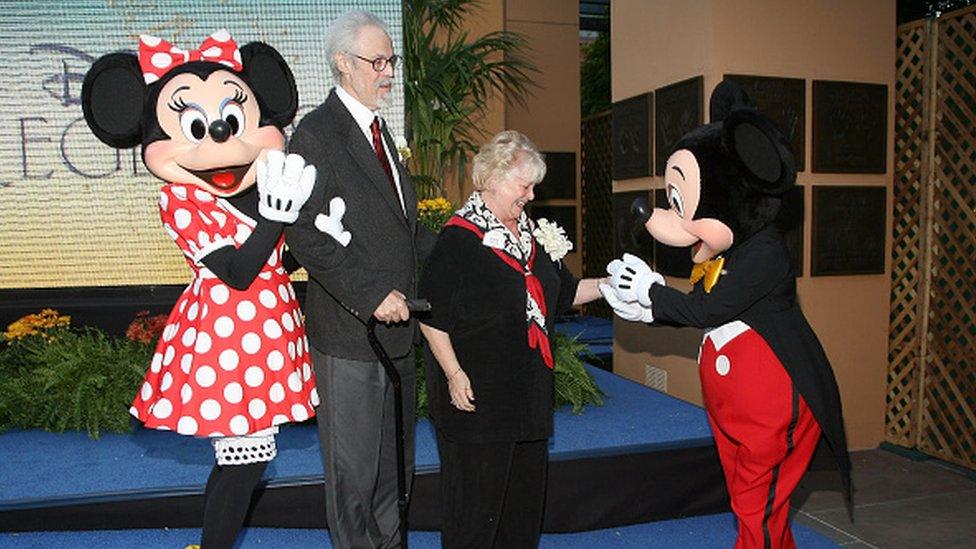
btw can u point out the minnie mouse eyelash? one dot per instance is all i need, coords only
(178, 105)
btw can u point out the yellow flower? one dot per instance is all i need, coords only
(36, 324)
(439, 204)
(434, 212)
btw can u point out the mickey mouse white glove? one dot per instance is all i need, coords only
(634, 312)
(284, 184)
(331, 223)
(631, 278)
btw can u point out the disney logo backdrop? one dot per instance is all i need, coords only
(74, 212)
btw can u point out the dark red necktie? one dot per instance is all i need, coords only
(381, 154)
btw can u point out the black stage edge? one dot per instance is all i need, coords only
(583, 494)
(110, 308)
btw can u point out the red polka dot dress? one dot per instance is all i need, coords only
(229, 362)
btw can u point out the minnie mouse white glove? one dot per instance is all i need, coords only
(632, 279)
(634, 312)
(284, 184)
(331, 223)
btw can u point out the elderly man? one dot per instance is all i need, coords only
(372, 274)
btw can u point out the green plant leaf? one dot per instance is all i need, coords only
(450, 80)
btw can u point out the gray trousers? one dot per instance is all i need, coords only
(357, 433)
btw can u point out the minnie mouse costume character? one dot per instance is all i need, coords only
(768, 388)
(232, 363)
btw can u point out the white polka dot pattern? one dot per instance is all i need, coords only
(254, 376)
(210, 409)
(251, 343)
(206, 376)
(158, 56)
(162, 409)
(233, 392)
(257, 408)
(246, 310)
(228, 359)
(224, 326)
(229, 362)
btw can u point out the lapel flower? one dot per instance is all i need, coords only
(402, 148)
(553, 239)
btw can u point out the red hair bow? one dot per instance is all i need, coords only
(157, 56)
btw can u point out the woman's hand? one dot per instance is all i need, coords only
(458, 384)
(459, 387)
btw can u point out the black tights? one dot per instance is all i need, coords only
(227, 499)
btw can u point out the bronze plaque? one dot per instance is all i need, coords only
(784, 101)
(632, 125)
(850, 127)
(678, 110)
(564, 216)
(629, 236)
(560, 179)
(849, 229)
(669, 260)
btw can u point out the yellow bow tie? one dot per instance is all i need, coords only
(709, 270)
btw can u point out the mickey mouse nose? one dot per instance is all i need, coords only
(219, 130)
(640, 210)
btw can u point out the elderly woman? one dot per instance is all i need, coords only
(494, 292)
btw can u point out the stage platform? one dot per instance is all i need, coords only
(643, 456)
(701, 532)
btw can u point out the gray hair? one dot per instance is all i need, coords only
(342, 34)
(498, 158)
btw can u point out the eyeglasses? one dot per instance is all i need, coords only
(379, 64)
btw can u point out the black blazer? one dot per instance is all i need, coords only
(480, 302)
(759, 288)
(346, 284)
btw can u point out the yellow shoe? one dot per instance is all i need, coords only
(194, 546)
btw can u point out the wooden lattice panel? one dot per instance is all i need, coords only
(597, 170)
(911, 119)
(949, 417)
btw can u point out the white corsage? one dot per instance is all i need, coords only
(553, 239)
(402, 148)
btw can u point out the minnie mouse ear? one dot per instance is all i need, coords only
(271, 79)
(112, 99)
(760, 150)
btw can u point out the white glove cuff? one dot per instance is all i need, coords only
(272, 214)
(643, 288)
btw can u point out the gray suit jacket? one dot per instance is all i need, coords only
(347, 284)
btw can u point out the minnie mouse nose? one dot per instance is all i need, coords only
(219, 130)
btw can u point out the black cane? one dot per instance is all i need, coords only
(415, 306)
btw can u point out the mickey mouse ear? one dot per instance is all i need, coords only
(112, 98)
(727, 97)
(760, 150)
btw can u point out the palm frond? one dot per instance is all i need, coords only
(451, 78)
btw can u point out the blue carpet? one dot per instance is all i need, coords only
(696, 532)
(38, 464)
(587, 329)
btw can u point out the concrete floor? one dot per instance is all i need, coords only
(899, 502)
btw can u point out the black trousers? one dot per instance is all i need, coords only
(492, 495)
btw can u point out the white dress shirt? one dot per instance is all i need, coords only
(364, 119)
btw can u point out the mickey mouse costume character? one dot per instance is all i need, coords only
(768, 387)
(232, 363)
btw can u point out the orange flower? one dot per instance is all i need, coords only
(145, 328)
